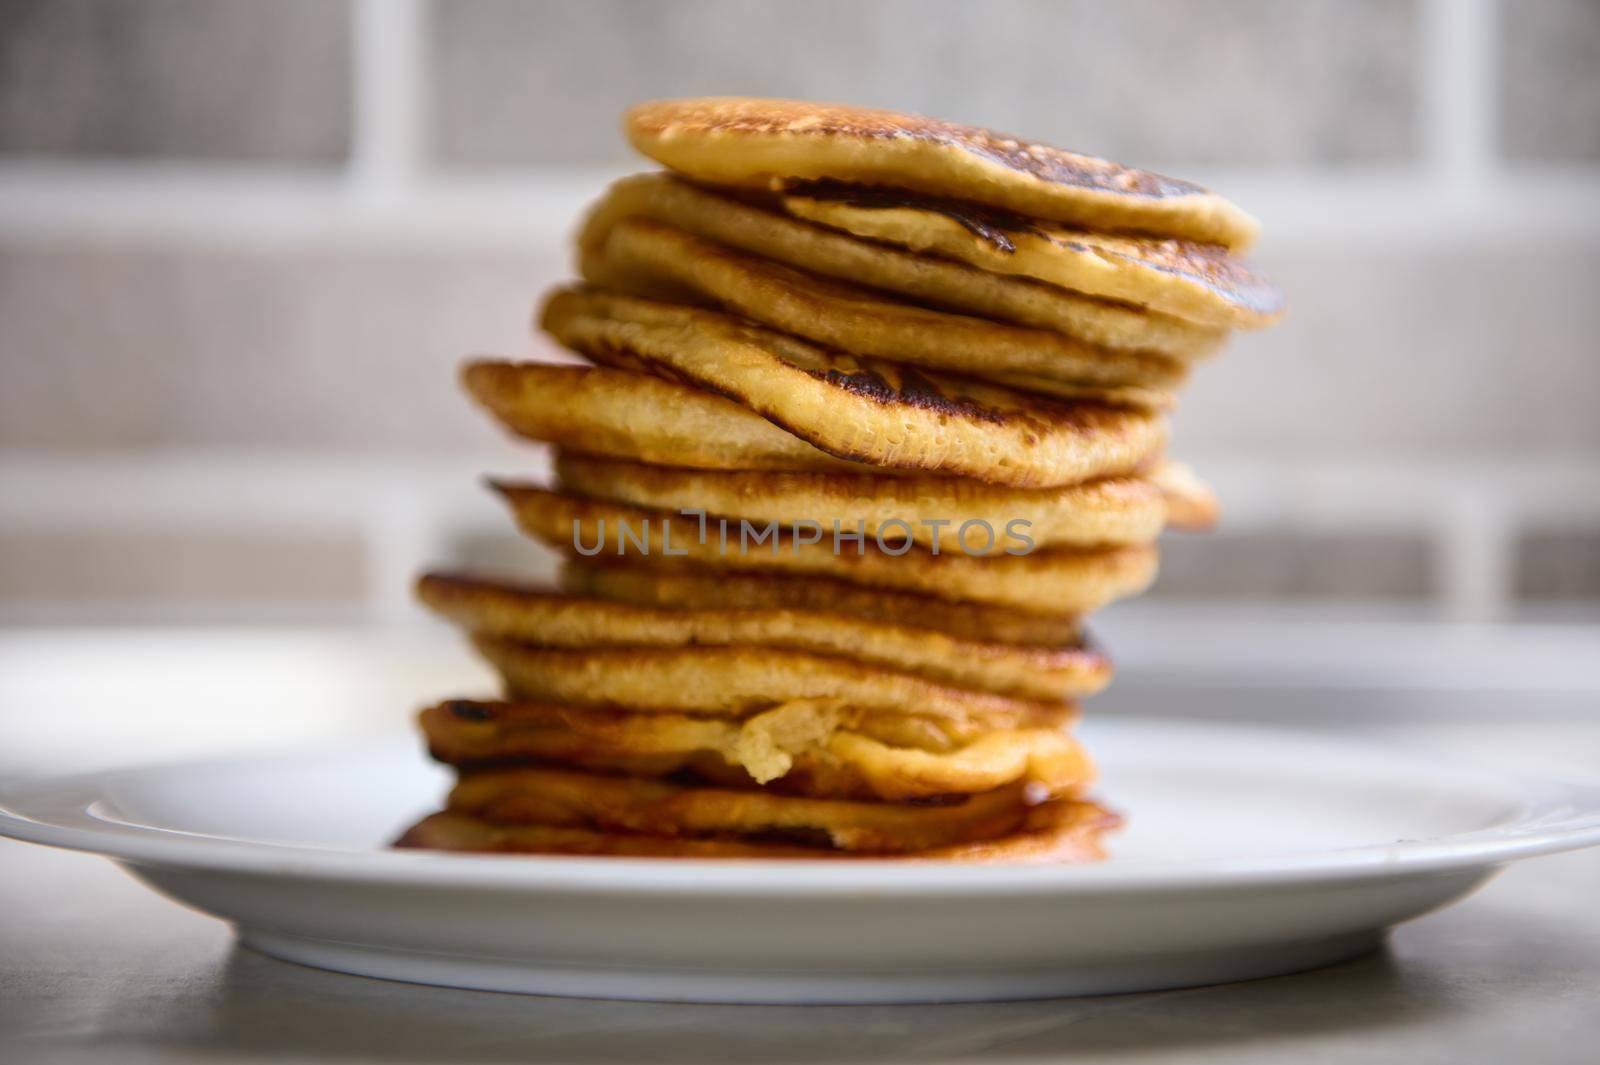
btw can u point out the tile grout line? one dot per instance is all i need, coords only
(1474, 541)
(1461, 42)
(392, 201)
(388, 112)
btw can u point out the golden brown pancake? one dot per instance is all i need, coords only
(637, 416)
(1191, 504)
(646, 258)
(1201, 283)
(808, 747)
(735, 681)
(1057, 832)
(1049, 580)
(692, 590)
(772, 235)
(1115, 510)
(753, 142)
(549, 619)
(565, 798)
(873, 412)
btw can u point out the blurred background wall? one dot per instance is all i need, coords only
(243, 246)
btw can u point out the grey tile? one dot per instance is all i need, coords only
(1239, 81)
(1286, 564)
(179, 567)
(199, 79)
(503, 554)
(134, 345)
(1550, 76)
(1456, 348)
(1558, 564)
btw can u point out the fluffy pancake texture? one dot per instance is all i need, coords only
(547, 619)
(1202, 283)
(1049, 580)
(743, 141)
(810, 747)
(641, 256)
(763, 230)
(1056, 832)
(635, 416)
(1116, 510)
(874, 412)
(1191, 504)
(565, 798)
(702, 590)
(733, 681)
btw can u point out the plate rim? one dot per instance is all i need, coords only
(1553, 814)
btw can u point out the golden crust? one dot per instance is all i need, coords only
(691, 590)
(869, 411)
(640, 256)
(1191, 504)
(743, 141)
(1055, 832)
(548, 619)
(1201, 283)
(734, 681)
(636, 416)
(1050, 580)
(1114, 510)
(772, 235)
(565, 798)
(809, 747)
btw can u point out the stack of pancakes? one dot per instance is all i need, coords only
(875, 417)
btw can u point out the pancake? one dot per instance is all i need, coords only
(751, 227)
(753, 142)
(1197, 282)
(735, 681)
(1050, 580)
(807, 747)
(636, 416)
(786, 722)
(873, 412)
(1191, 504)
(1116, 510)
(565, 798)
(647, 258)
(548, 619)
(689, 590)
(1055, 832)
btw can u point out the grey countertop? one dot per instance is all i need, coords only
(95, 967)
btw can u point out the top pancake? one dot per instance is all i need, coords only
(755, 142)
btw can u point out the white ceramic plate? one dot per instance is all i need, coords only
(1248, 853)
